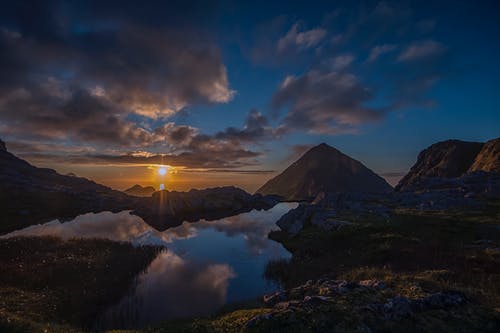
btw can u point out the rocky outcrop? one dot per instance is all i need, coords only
(488, 159)
(140, 191)
(2, 146)
(317, 215)
(320, 306)
(446, 159)
(324, 169)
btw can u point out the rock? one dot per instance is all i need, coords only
(397, 308)
(2, 146)
(314, 307)
(446, 159)
(375, 284)
(488, 159)
(275, 298)
(401, 307)
(324, 169)
(293, 221)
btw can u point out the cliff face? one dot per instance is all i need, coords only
(446, 159)
(324, 169)
(488, 159)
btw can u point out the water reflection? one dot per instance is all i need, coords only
(207, 264)
(122, 227)
(171, 288)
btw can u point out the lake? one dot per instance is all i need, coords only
(206, 264)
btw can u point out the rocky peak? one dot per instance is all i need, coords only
(2, 146)
(446, 159)
(324, 169)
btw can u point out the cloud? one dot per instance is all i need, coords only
(325, 102)
(341, 62)
(421, 50)
(67, 75)
(295, 39)
(379, 50)
(182, 145)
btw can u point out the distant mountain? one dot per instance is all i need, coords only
(31, 195)
(324, 169)
(452, 159)
(140, 191)
(488, 159)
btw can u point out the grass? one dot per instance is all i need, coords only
(437, 251)
(63, 284)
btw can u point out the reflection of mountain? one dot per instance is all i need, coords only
(172, 288)
(324, 169)
(30, 195)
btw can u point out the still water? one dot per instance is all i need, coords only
(206, 265)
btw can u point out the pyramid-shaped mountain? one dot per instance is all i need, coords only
(324, 169)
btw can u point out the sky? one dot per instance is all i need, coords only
(230, 93)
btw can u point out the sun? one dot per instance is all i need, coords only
(162, 171)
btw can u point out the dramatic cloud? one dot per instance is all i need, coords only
(422, 50)
(68, 77)
(325, 103)
(181, 145)
(295, 39)
(379, 50)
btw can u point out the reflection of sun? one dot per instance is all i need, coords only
(162, 171)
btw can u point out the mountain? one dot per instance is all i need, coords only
(446, 160)
(324, 169)
(31, 195)
(140, 191)
(488, 159)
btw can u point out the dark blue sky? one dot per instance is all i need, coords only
(245, 86)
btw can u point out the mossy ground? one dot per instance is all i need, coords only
(52, 285)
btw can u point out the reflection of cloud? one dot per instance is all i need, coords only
(171, 288)
(254, 226)
(122, 227)
(125, 227)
